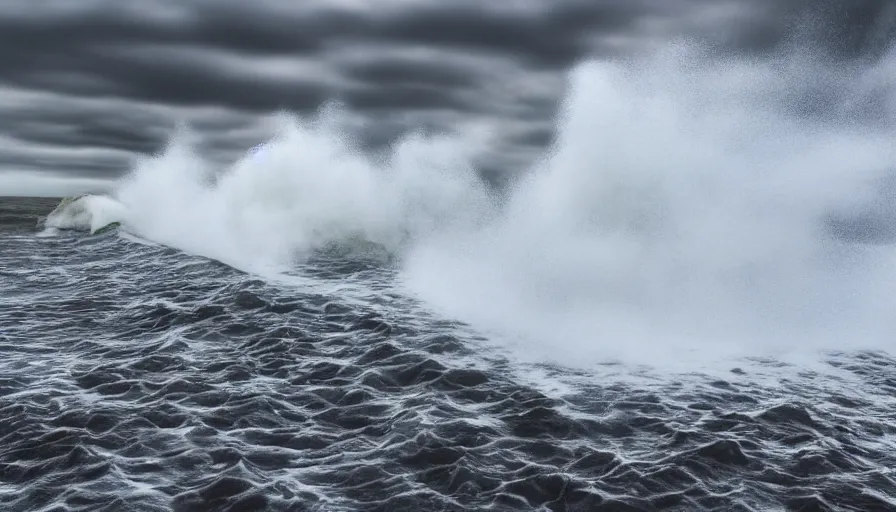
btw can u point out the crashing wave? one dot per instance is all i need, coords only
(96, 214)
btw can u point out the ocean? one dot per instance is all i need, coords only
(669, 312)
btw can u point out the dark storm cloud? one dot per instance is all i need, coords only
(50, 123)
(406, 71)
(69, 129)
(83, 161)
(846, 29)
(86, 167)
(163, 75)
(855, 28)
(49, 32)
(538, 137)
(112, 50)
(122, 74)
(551, 36)
(120, 50)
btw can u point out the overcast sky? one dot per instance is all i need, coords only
(85, 85)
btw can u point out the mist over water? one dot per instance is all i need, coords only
(688, 209)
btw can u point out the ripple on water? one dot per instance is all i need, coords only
(142, 379)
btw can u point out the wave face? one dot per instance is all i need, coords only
(691, 204)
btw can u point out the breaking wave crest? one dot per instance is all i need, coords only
(87, 212)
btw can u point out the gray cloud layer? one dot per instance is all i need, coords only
(86, 85)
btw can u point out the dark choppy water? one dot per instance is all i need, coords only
(134, 377)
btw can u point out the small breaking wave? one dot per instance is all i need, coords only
(87, 212)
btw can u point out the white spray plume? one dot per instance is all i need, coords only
(683, 213)
(308, 187)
